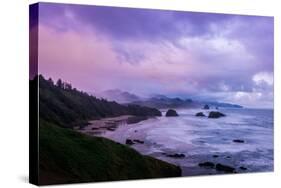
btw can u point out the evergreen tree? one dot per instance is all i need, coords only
(59, 83)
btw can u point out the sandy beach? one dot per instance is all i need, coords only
(98, 127)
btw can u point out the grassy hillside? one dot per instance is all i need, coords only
(66, 106)
(68, 157)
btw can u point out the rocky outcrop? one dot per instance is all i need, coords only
(214, 114)
(200, 114)
(135, 141)
(129, 142)
(171, 113)
(238, 141)
(225, 168)
(176, 155)
(218, 167)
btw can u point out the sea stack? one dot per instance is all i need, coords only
(200, 114)
(214, 114)
(171, 113)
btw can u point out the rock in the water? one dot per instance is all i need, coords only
(238, 141)
(201, 114)
(214, 114)
(207, 165)
(206, 107)
(129, 142)
(215, 156)
(243, 168)
(171, 113)
(225, 168)
(176, 155)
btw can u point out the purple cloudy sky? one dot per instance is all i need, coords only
(200, 55)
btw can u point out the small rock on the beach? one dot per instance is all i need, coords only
(129, 142)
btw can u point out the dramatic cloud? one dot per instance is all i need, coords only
(205, 56)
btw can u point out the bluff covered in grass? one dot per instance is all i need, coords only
(67, 156)
(66, 106)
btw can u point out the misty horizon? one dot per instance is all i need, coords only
(101, 95)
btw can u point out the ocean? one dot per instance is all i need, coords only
(201, 139)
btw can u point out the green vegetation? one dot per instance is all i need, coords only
(67, 156)
(67, 107)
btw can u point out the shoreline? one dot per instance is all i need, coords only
(228, 161)
(99, 126)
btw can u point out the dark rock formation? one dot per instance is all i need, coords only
(206, 107)
(214, 114)
(201, 114)
(176, 155)
(129, 142)
(171, 113)
(135, 141)
(215, 156)
(225, 168)
(207, 165)
(238, 141)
